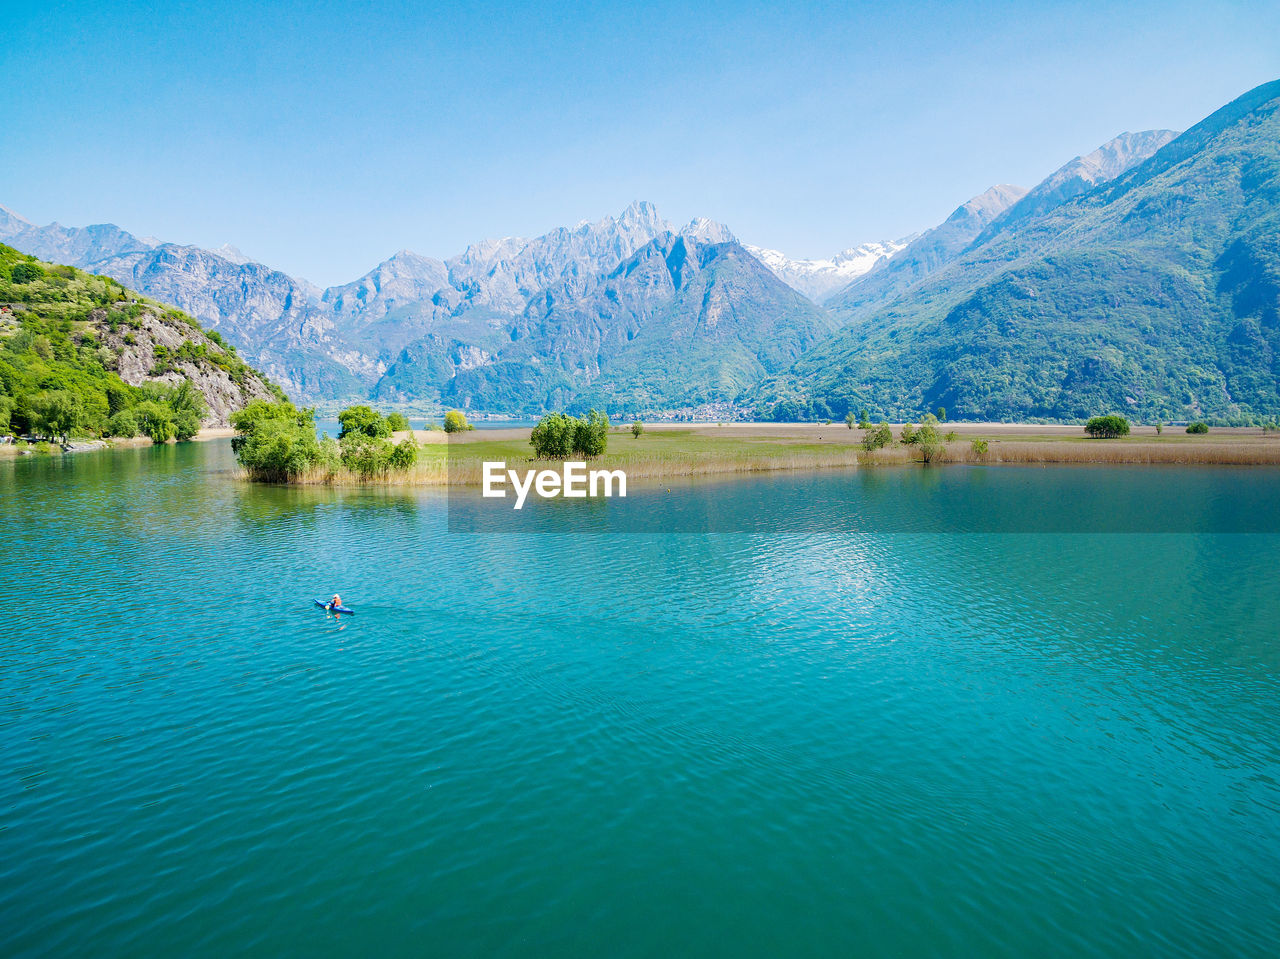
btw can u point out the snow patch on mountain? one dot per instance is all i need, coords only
(817, 279)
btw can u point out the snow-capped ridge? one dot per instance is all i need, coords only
(819, 278)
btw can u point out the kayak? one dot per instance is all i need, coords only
(335, 609)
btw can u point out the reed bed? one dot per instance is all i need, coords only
(699, 453)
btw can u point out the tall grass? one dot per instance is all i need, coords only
(693, 454)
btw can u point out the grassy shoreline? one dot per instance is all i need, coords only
(687, 451)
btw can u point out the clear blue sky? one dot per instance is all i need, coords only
(322, 137)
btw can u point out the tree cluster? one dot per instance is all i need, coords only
(559, 436)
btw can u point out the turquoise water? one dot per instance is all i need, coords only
(795, 741)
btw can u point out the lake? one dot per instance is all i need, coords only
(802, 737)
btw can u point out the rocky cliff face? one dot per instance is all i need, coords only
(159, 347)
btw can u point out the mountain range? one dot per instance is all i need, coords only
(1148, 288)
(1136, 278)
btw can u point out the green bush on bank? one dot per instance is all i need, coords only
(1198, 428)
(276, 442)
(559, 436)
(1107, 427)
(123, 424)
(877, 437)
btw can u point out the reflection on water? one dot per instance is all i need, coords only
(806, 738)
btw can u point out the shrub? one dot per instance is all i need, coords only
(979, 448)
(366, 456)
(908, 434)
(1107, 427)
(55, 412)
(186, 424)
(928, 440)
(123, 424)
(278, 449)
(330, 457)
(403, 455)
(1159, 428)
(155, 420)
(256, 412)
(275, 440)
(877, 437)
(1198, 428)
(397, 422)
(591, 434)
(455, 421)
(26, 272)
(552, 438)
(952, 436)
(364, 420)
(637, 428)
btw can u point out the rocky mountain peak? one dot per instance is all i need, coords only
(704, 230)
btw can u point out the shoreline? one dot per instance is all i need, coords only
(680, 451)
(12, 450)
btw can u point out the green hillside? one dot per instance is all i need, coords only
(1156, 295)
(80, 354)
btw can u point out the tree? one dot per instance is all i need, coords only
(928, 440)
(123, 424)
(403, 455)
(397, 422)
(256, 412)
(908, 434)
(362, 419)
(877, 438)
(942, 414)
(591, 434)
(1107, 427)
(277, 450)
(637, 428)
(26, 272)
(55, 413)
(552, 438)
(276, 441)
(979, 448)
(1198, 428)
(188, 407)
(455, 421)
(185, 425)
(155, 419)
(849, 420)
(1159, 428)
(366, 456)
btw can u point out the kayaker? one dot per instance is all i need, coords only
(335, 602)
